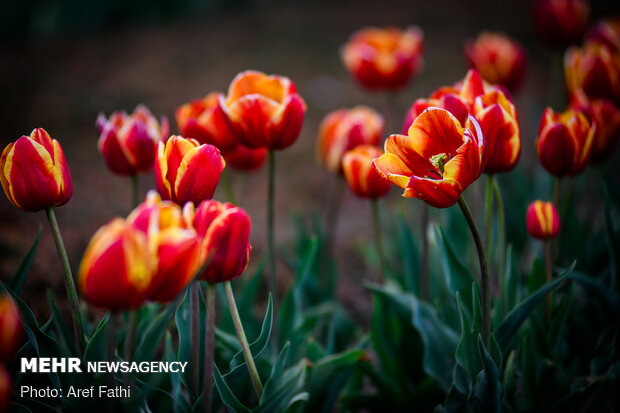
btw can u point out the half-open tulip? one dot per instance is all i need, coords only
(117, 267)
(128, 142)
(187, 171)
(438, 160)
(498, 59)
(595, 69)
(560, 23)
(384, 58)
(542, 220)
(564, 142)
(34, 172)
(244, 158)
(10, 328)
(360, 172)
(264, 111)
(225, 232)
(6, 387)
(343, 130)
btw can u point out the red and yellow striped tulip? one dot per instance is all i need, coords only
(564, 142)
(264, 111)
(6, 388)
(34, 172)
(384, 58)
(438, 160)
(11, 332)
(128, 142)
(606, 32)
(498, 58)
(187, 171)
(542, 220)
(342, 130)
(360, 172)
(560, 23)
(117, 267)
(595, 69)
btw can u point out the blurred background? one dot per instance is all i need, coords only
(63, 62)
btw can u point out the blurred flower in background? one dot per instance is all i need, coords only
(595, 69)
(606, 32)
(560, 23)
(6, 387)
(542, 220)
(360, 173)
(11, 332)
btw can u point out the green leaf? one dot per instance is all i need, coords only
(228, 397)
(508, 328)
(607, 297)
(16, 283)
(410, 256)
(260, 344)
(285, 389)
(276, 372)
(467, 348)
(488, 389)
(65, 335)
(96, 346)
(154, 332)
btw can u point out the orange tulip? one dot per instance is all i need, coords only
(34, 172)
(594, 69)
(437, 161)
(542, 220)
(384, 58)
(498, 59)
(564, 142)
(6, 388)
(360, 172)
(264, 111)
(560, 23)
(128, 143)
(10, 328)
(343, 130)
(607, 33)
(187, 171)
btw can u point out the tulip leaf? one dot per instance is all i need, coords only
(276, 371)
(410, 256)
(65, 335)
(95, 347)
(467, 347)
(260, 344)
(228, 397)
(154, 332)
(488, 389)
(285, 386)
(611, 300)
(509, 326)
(16, 283)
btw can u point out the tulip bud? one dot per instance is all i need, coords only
(128, 143)
(564, 142)
(343, 130)
(543, 221)
(117, 267)
(10, 328)
(34, 172)
(264, 111)
(244, 158)
(594, 69)
(187, 171)
(384, 58)
(6, 387)
(560, 23)
(360, 172)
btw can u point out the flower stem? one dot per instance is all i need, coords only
(131, 334)
(376, 219)
(69, 283)
(209, 347)
(424, 277)
(484, 276)
(272, 279)
(135, 198)
(549, 276)
(501, 218)
(488, 214)
(194, 328)
(245, 347)
(556, 191)
(228, 187)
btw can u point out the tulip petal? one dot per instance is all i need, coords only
(436, 131)
(393, 169)
(198, 174)
(437, 193)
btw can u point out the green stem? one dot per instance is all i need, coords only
(135, 198)
(209, 347)
(69, 283)
(488, 214)
(272, 280)
(194, 332)
(228, 187)
(549, 276)
(425, 292)
(501, 218)
(131, 334)
(376, 219)
(556, 191)
(484, 276)
(245, 347)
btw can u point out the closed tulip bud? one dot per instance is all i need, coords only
(34, 172)
(343, 130)
(543, 221)
(225, 233)
(187, 171)
(607, 33)
(11, 332)
(6, 388)
(498, 59)
(564, 142)
(499, 124)
(595, 70)
(264, 111)
(244, 158)
(128, 142)
(117, 267)
(560, 23)
(205, 120)
(384, 58)
(360, 172)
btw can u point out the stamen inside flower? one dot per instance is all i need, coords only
(439, 161)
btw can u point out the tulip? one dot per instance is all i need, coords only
(564, 142)
(264, 111)
(10, 328)
(117, 267)
(607, 33)
(6, 387)
(437, 161)
(384, 58)
(594, 69)
(498, 59)
(205, 120)
(343, 130)
(187, 171)
(360, 173)
(244, 158)
(543, 221)
(128, 142)
(34, 172)
(560, 23)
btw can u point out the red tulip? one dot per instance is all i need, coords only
(128, 143)
(360, 172)
(384, 58)
(34, 172)
(594, 69)
(244, 158)
(543, 221)
(560, 23)
(10, 328)
(187, 171)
